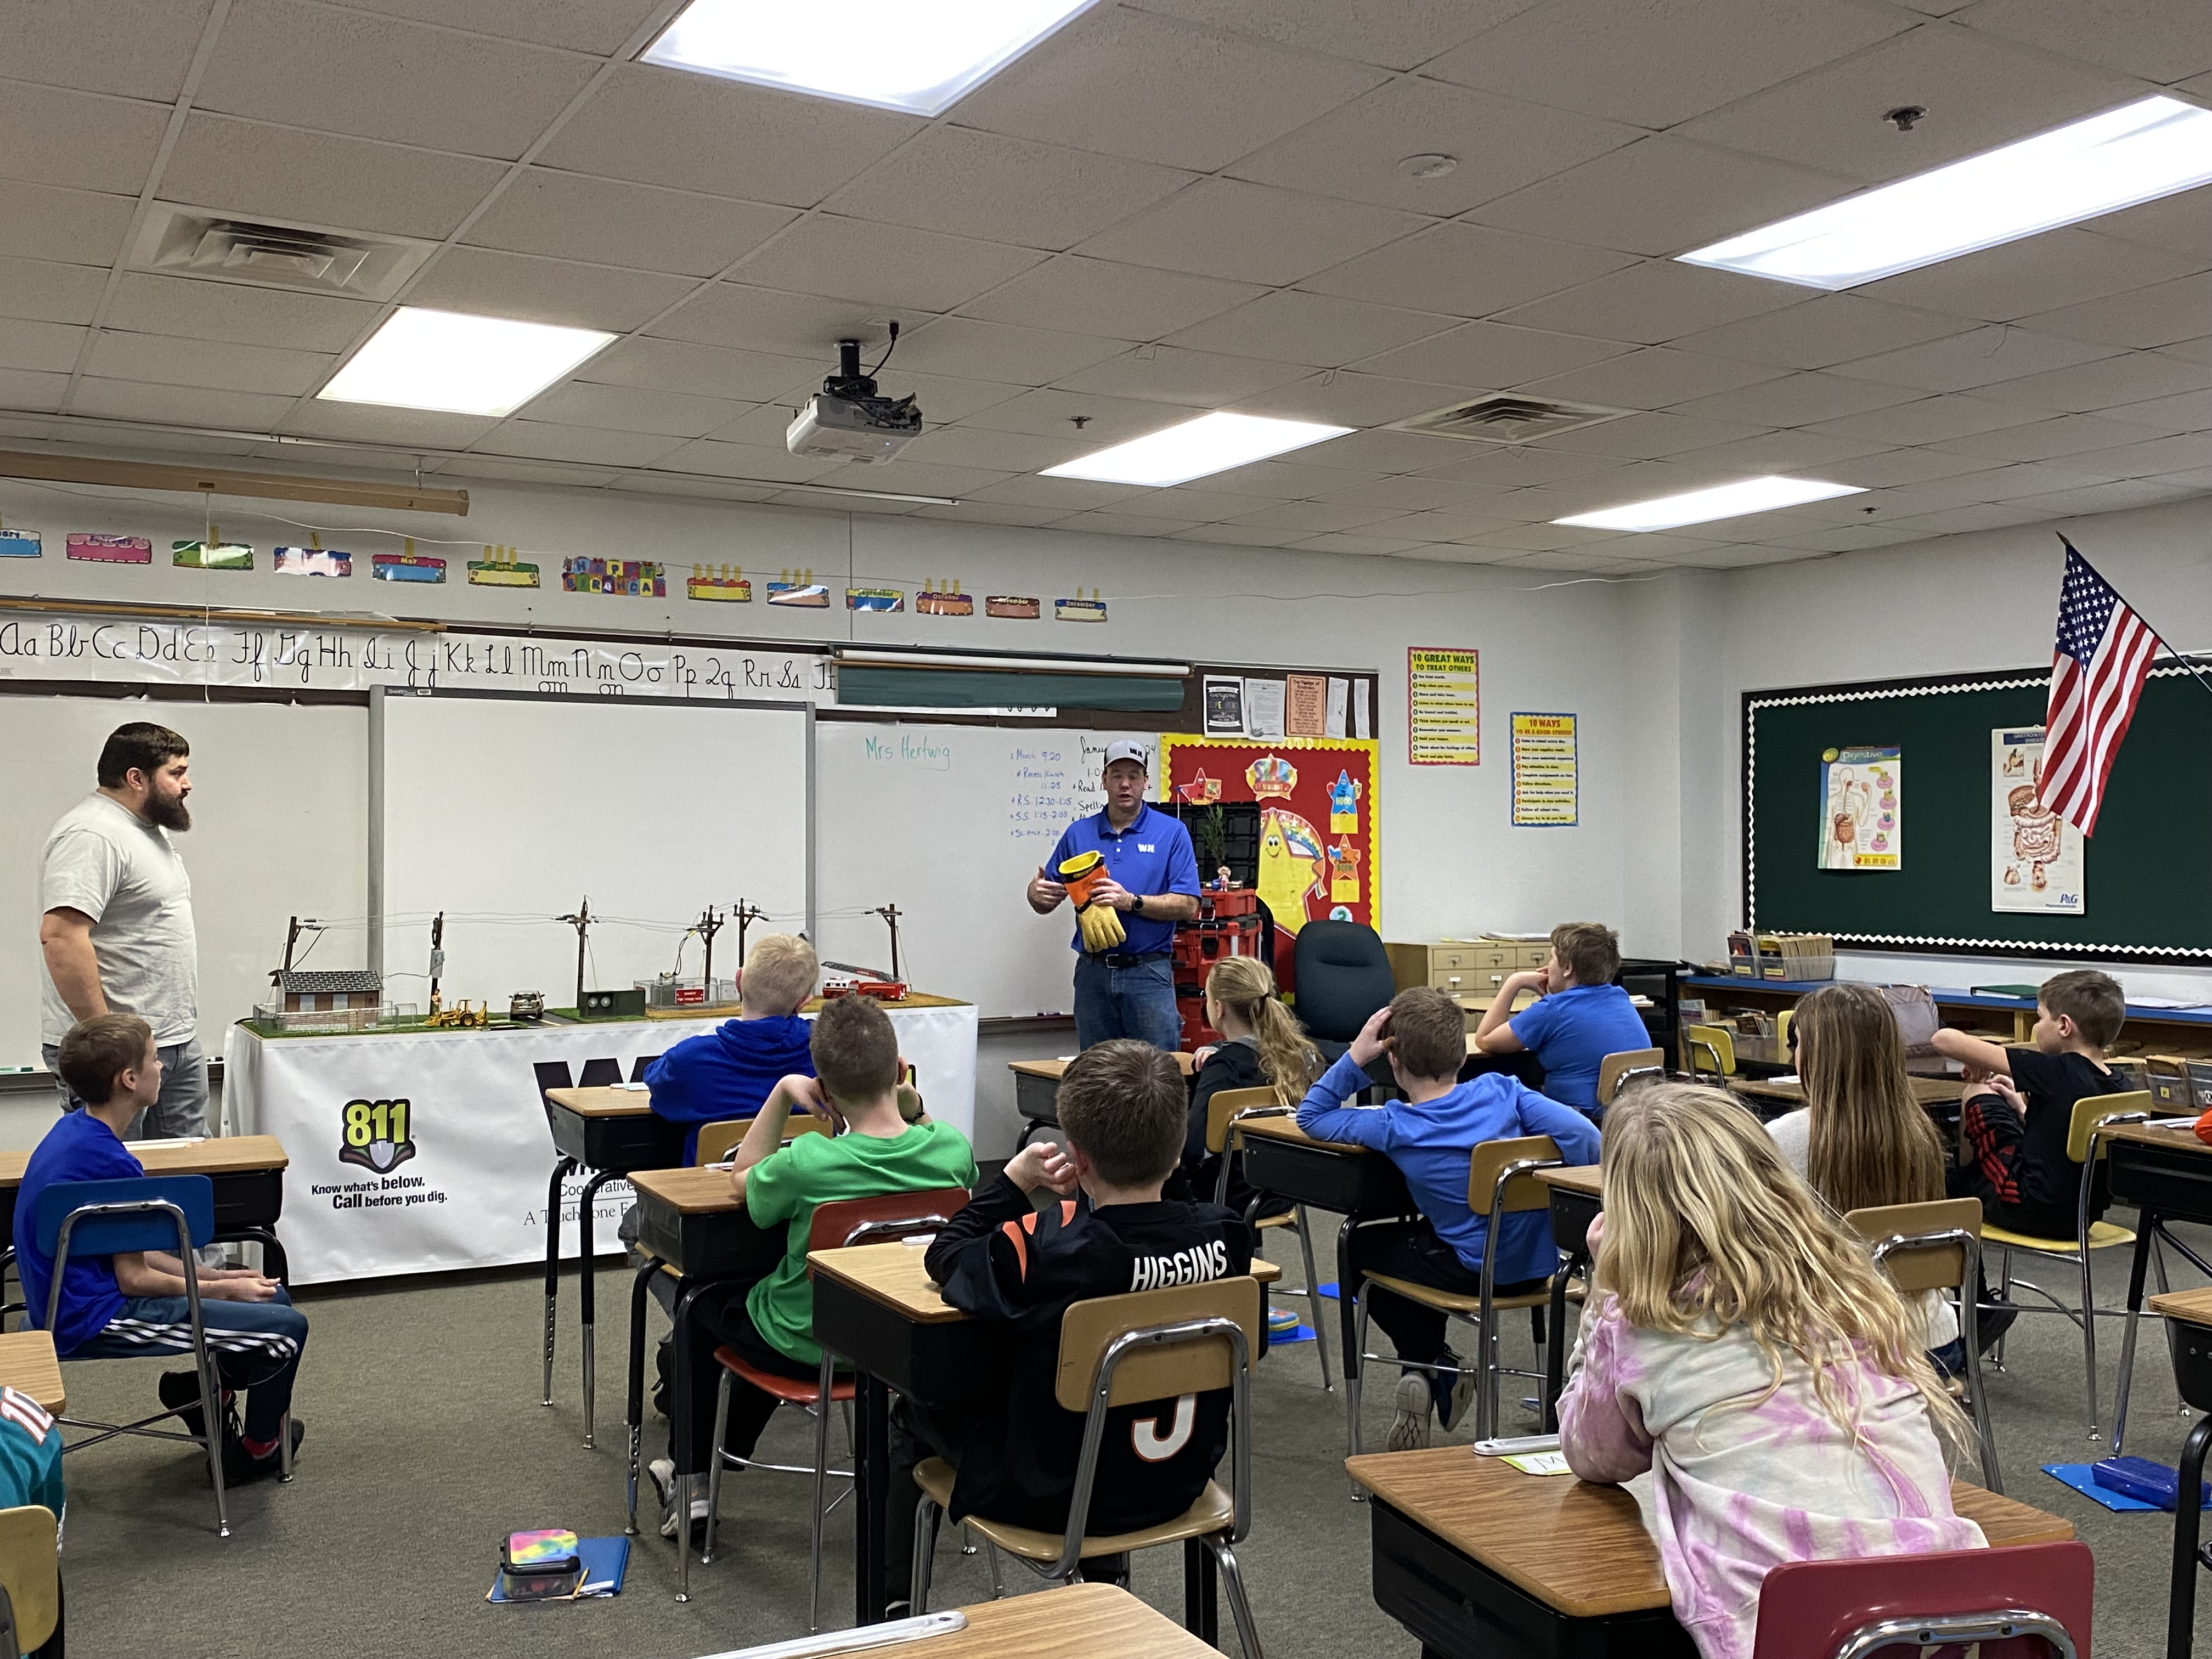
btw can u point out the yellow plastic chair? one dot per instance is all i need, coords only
(718, 1140)
(1937, 1246)
(1717, 1045)
(31, 1578)
(1224, 1109)
(1615, 1072)
(1782, 1028)
(2084, 1145)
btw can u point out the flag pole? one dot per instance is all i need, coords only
(2186, 662)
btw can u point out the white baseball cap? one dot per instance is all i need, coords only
(1127, 750)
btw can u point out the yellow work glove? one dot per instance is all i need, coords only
(1101, 924)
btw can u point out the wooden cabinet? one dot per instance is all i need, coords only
(1468, 967)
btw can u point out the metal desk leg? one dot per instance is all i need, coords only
(1346, 1294)
(2146, 1237)
(1555, 1340)
(1201, 1606)
(639, 1290)
(562, 1169)
(872, 1459)
(2181, 1605)
(587, 1266)
(679, 1435)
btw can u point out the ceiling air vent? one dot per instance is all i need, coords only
(185, 241)
(1506, 420)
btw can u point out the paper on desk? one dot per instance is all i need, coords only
(1539, 1463)
(174, 1140)
(2167, 1002)
(642, 1087)
(1786, 1077)
(2171, 1123)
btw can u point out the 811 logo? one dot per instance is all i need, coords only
(377, 1135)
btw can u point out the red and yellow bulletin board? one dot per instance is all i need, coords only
(1317, 824)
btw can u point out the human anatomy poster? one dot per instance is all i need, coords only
(1862, 809)
(2035, 855)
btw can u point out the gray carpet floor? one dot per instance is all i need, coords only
(426, 1444)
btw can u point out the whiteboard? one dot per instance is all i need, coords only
(505, 811)
(950, 823)
(279, 828)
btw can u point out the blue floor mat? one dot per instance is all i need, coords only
(2078, 1476)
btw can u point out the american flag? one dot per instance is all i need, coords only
(2096, 675)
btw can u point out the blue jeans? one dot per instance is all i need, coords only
(257, 1346)
(1137, 1001)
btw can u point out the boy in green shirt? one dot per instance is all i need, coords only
(880, 1141)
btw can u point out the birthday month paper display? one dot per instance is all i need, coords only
(1317, 818)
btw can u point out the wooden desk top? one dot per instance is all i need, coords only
(27, 1363)
(1927, 1090)
(1286, 1129)
(606, 1101)
(1078, 1621)
(1054, 1070)
(703, 1190)
(894, 1275)
(1579, 1548)
(1583, 1178)
(220, 1155)
(2150, 1134)
(2189, 1307)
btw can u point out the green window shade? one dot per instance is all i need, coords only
(873, 685)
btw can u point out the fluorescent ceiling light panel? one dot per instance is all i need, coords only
(464, 364)
(919, 56)
(1212, 443)
(1728, 500)
(2153, 147)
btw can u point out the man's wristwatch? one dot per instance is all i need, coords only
(1136, 904)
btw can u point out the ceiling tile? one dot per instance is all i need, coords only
(1501, 144)
(1294, 480)
(2187, 412)
(2190, 352)
(1652, 378)
(1658, 63)
(1121, 523)
(700, 371)
(1394, 34)
(2158, 41)
(319, 179)
(24, 389)
(944, 397)
(1798, 400)
(1659, 196)
(652, 480)
(383, 77)
(544, 440)
(52, 347)
(1979, 93)
(1342, 398)
(1845, 538)
(1410, 493)
(594, 26)
(2152, 456)
(2036, 275)
(1249, 232)
(1135, 84)
(176, 405)
(1655, 301)
(1186, 504)
(375, 424)
(971, 511)
(1006, 452)
(1376, 451)
(1005, 190)
(222, 364)
(1493, 354)
(493, 284)
(1887, 469)
(1001, 352)
(1548, 539)
(1976, 357)
(2132, 377)
(923, 477)
(1494, 467)
(1928, 421)
(803, 325)
(660, 126)
(1439, 525)
(81, 140)
(747, 461)
(1168, 374)
(1066, 494)
(204, 310)
(2113, 497)
(573, 476)
(1236, 535)
(1126, 302)
(134, 48)
(1644, 437)
(632, 409)
(2040, 441)
(1466, 270)
(49, 292)
(1787, 452)
(1313, 518)
(882, 264)
(1051, 413)
(1292, 325)
(2160, 313)
(1357, 545)
(1957, 520)
(2181, 222)
(569, 215)
(1831, 329)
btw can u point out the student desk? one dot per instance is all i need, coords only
(1931, 1092)
(1036, 1092)
(1481, 1561)
(1357, 1184)
(1076, 1621)
(2166, 1175)
(2189, 1322)
(27, 1363)
(610, 1131)
(874, 1306)
(1575, 1205)
(246, 1171)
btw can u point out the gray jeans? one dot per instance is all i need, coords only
(182, 1107)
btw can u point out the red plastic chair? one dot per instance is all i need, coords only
(2021, 1601)
(848, 1221)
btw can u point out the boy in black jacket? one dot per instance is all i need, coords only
(1104, 1230)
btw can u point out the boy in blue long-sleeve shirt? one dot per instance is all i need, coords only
(1431, 1136)
(729, 1071)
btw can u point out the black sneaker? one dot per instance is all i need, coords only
(181, 1393)
(241, 1468)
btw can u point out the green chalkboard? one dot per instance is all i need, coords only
(2147, 879)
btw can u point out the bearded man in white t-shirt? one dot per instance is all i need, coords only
(117, 933)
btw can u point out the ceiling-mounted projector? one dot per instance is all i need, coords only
(846, 420)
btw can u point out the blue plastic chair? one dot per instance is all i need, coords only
(147, 1212)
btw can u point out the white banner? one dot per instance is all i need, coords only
(449, 1152)
(50, 646)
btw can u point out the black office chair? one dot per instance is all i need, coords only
(637, 1066)
(551, 1074)
(600, 1074)
(1343, 977)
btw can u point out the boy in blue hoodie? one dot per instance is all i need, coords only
(1432, 1135)
(728, 1071)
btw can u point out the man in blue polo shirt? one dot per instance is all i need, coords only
(1153, 880)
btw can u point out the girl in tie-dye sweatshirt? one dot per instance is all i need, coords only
(1745, 1349)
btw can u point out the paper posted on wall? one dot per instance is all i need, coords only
(2035, 855)
(1862, 809)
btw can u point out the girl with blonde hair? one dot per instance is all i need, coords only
(1862, 1139)
(1263, 1046)
(1746, 1350)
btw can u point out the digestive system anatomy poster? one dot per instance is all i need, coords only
(1862, 809)
(2035, 855)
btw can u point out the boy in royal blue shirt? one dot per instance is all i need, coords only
(1432, 1135)
(728, 1071)
(1579, 1017)
(128, 1305)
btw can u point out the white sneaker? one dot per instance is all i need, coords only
(1409, 1430)
(1452, 1405)
(662, 1472)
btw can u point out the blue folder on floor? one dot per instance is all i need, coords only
(605, 1560)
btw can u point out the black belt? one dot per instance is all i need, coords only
(1123, 960)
